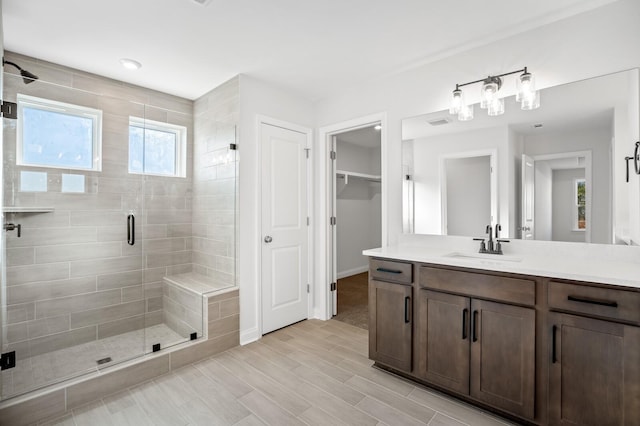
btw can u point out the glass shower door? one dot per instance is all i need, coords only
(73, 294)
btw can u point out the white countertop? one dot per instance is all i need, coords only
(587, 268)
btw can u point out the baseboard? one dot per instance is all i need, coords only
(249, 336)
(353, 271)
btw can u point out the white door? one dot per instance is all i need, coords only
(284, 227)
(528, 198)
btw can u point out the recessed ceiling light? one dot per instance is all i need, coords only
(202, 2)
(378, 127)
(130, 64)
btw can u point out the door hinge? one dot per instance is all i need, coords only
(308, 221)
(332, 155)
(333, 287)
(7, 360)
(233, 146)
(9, 109)
(332, 221)
(308, 288)
(306, 151)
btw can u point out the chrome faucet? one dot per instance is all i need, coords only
(489, 231)
(489, 247)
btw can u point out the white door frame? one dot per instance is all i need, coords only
(322, 292)
(260, 120)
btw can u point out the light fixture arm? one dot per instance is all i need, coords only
(492, 77)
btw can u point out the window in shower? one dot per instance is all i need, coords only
(157, 148)
(58, 135)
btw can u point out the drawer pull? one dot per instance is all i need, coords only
(465, 312)
(389, 271)
(593, 301)
(406, 310)
(554, 359)
(474, 326)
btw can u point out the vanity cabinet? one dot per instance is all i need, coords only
(539, 350)
(480, 348)
(594, 373)
(390, 314)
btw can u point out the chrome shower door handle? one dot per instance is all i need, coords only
(268, 239)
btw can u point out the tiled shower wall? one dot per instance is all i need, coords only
(72, 277)
(214, 182)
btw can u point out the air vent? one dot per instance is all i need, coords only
(202, 2)
(439, 122)
(537, 125)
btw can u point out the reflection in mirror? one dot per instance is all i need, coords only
(557, 173)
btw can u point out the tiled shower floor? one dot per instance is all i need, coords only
(52, 367)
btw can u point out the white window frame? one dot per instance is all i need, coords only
(69, 109)
(181, 144)
(576, 218)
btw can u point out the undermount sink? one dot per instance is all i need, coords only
(483, 257)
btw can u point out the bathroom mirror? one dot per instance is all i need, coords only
(557, 173)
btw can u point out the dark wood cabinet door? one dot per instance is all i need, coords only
(594, 373)
(390, 324)
(443, 339)
(503, 356)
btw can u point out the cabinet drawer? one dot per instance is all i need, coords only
(601, 302)
(492, 287)
(389, 270)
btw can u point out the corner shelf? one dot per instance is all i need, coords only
(346, 175)
(28, 209)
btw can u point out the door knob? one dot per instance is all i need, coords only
(268, 239)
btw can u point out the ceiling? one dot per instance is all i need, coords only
(314, 49)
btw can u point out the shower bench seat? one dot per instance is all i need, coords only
(196, 283)
(185, 302)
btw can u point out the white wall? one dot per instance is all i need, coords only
(257, 98)
(594, 43)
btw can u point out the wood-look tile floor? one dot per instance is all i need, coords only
(311, 373)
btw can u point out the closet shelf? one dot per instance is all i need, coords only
(346, 175)
(28, 209)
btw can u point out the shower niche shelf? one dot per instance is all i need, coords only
(28, 209)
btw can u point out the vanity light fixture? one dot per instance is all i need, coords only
(490, 99)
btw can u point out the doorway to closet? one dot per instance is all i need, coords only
(357, 208)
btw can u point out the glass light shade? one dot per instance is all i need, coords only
(496, 107)
(457, 102)
(525, 86)
(466, 113)
(531, 101)
(488, 93)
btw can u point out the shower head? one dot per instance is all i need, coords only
(27, 77)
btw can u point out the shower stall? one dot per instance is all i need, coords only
(119, 215)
